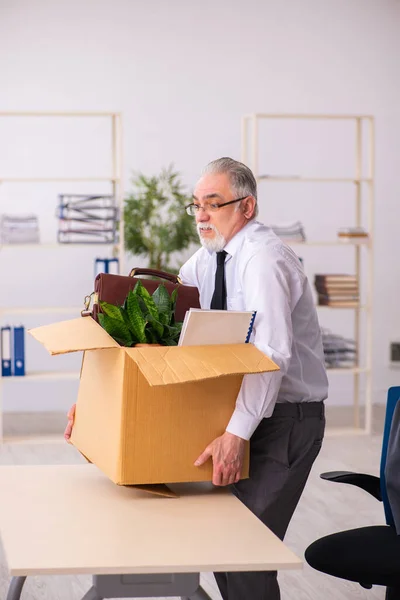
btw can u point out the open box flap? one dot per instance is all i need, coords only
(172, 364)
(73, 335)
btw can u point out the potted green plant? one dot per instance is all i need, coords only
(156, 224)
(144, 318)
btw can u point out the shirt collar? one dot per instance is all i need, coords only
(235, 243)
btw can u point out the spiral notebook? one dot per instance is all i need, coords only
(202, 327)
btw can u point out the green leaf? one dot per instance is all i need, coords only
(124, 343)
(152, 336)
(136, 318)
(170, 342)
(111, 311)
(174, 297)
(143, 307)
(117, 329)
(148, 300)
(156, 325)
(172, 333)
(125, 317)
(163, 304)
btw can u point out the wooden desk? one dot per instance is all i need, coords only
(74, 520)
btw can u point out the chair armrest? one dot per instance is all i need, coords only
(369, 483)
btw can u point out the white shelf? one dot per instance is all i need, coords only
(253, 116)
(347, 370)
(57, 245)
(358, 307)
(298, 179)
(43, 376)
(55, 179)
(25, 310)
(328, 243)
(58, 113)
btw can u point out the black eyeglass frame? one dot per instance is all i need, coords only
(218, 206)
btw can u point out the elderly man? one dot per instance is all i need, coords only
(243, 265)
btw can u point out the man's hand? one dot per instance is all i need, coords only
(70, 424)
(227, 452)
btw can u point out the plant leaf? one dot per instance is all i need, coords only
(143, 306)
(151, 335)
(111, 311)
(125, 317)
(136, 318)
(174, 297)
(148, 300)
(170, 342)
(156, 325)
(172, 332)
(117, 329)
(163, 304)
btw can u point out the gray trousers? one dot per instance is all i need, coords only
(282, 451)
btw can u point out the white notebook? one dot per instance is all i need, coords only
(202, 327)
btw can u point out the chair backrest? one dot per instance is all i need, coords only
(392, 398)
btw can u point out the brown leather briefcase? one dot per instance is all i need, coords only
(114, 289)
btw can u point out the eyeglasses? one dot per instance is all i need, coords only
(193, 209)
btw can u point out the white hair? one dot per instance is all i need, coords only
(243, 182)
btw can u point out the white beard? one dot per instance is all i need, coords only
(215, 244)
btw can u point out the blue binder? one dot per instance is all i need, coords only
(113, 266)
(106, 265)
(19, 351)
(6, 351)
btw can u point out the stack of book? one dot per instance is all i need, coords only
(337, 290)
(339, 352)
(19, 229)
(353, 234)
(290, 232)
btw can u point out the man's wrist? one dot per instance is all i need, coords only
(234, 435)
(242, 424)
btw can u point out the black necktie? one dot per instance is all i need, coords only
(218, 300)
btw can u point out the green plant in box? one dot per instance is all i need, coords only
(144, 318)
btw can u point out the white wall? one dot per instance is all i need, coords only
(183, 73)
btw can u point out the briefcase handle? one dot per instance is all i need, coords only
(135, 272)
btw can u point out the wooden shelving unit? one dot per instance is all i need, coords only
(363, 193)
(114, 178)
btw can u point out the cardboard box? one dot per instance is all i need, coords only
(144, 415)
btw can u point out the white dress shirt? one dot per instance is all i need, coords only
(264, 274)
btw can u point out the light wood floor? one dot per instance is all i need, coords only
(324, 508)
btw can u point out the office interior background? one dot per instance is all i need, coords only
(182, 75)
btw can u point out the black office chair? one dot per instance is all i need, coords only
(369, 555)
